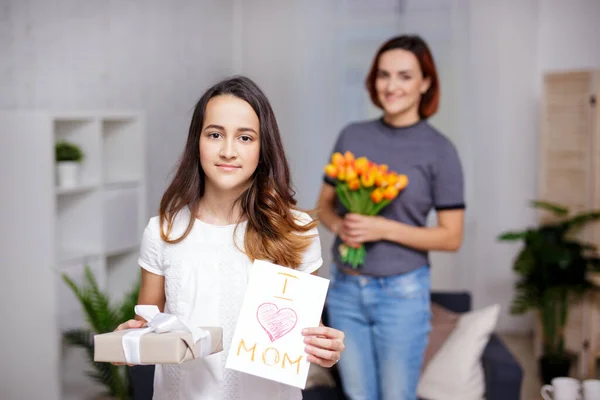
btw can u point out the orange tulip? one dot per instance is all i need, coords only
(377, 195)
(354, 184)
(348, 157)
(381, 180)
(351, 173)
(373, 170)
(341, 174)
(401, 182)
(383, 168)
(390, 193)
(391, 179)
(337, 159)
(331, 171)
(367, 179)
(361, 164)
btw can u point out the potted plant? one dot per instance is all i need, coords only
(552, 266)
(68, 160)
(102, 317)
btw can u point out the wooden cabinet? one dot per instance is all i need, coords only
(569, 174)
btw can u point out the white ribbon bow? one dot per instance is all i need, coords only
(160, 323)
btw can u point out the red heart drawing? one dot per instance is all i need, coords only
(276, 322)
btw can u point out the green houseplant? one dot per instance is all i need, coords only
(67, 151)
(102, 317)
(551, 266)
(68, 159)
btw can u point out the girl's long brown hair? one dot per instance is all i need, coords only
(272, 231)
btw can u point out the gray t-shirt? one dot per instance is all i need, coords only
(435, 181)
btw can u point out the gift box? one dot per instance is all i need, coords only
(165, 340)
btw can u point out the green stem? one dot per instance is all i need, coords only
(342, 196)
(562, 319)
(350, 197)
(549, 316)
(379, 206)
(365, 197)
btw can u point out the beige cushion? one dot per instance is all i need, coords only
(455, 371)
(443, 323)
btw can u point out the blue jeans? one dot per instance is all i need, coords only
(386, 322)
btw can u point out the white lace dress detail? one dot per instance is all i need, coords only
(205, 281)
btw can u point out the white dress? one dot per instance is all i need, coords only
(205, 281)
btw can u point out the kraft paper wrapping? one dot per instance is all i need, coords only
(157, 348)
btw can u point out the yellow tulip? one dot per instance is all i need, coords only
(391, 179)
(351, 173)
(377, 195)
(367, 179)
(381, 180)
(331, 171)
(337, 159)
(354, 184)
(361, 164)
(383, 168)
(401, 182)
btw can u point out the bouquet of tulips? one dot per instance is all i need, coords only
(363, 187)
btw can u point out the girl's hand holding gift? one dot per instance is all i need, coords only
(324, 345)
(132, 323)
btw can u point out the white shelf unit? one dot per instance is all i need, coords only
(98, 223)
(102, 219)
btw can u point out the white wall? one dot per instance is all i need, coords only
(503, 77)
(512, 43)
(154, 56)
(490, 55)
(568, 34)
(29, 339)
(288, 48)
(313, 71)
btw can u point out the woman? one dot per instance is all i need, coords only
(230, 203)
(384, 308)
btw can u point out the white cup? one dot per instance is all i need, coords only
(591, 389)
(562, 389)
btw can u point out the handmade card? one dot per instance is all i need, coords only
(268, 342)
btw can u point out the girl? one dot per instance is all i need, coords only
(383, 308)
(230, 202)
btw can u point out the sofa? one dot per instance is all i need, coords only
(503, 374)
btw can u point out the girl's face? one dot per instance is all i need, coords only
(399, 82)
(229, 143)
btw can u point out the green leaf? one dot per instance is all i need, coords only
(556, 209)
(342, 195)
(581, 219)
(508, 236)
(102, 317)
(378, 207)
(80, 337)
(551, 267)
(67, 151)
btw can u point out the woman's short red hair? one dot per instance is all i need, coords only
(417, 46)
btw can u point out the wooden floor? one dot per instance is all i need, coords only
(521, 346)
